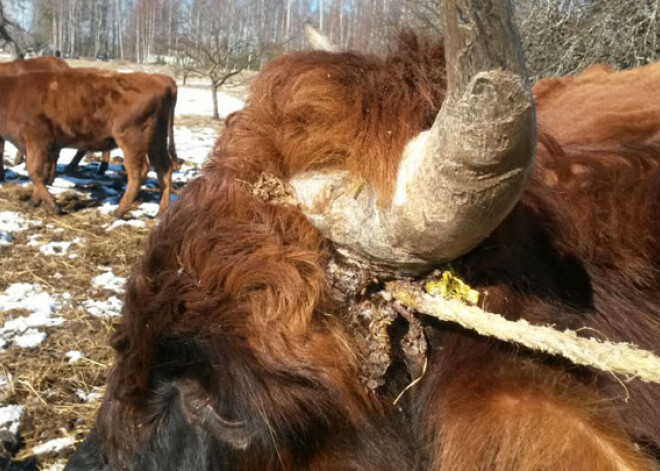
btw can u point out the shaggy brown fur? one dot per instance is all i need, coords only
(602, 107)
(43, 112)
(230, 342)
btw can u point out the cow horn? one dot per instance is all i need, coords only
(318, 40)
(457, 181)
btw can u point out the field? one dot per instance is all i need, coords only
(61, 285)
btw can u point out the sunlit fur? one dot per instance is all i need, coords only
(231, 297)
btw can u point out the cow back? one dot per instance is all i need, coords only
(601, 107)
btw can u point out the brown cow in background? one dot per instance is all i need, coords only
(36, 64)
(170, 84)
(43, 112)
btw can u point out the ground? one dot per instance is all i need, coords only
(61, 285)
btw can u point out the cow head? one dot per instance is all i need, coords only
(458, 180)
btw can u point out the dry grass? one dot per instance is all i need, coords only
(118, 65)
(43, 380)
(193, 121)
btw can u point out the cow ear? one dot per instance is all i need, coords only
(197, 406)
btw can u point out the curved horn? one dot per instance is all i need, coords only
(457, 181)
(318, 40)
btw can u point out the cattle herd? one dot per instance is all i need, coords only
(234, 350)
(46, 106)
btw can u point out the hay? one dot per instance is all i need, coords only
(42, 379)
(616, 358)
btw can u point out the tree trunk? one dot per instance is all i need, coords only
(214, 90)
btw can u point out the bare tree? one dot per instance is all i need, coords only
(5, 36)
(218, 62)
(559, 36)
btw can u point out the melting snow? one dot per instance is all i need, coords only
(53, 446)
(199, 101)
(195, 144)
(88, 397)
(122, 222)
(109, 281)
(58, 248)
(11, 222)
(10, 417)
(107, 208)
(74, 356)
(30, 339)
(145, 209)
(109, 308)
(22, 330)
(5, 239)
(33, 240)
(63, 182)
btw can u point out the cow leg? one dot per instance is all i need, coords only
(133, 163)
(2, 160)
(145, 170)
(487, 410)
(53, 157)
(40, 167)
(162, 163)
(105, 160)
(19, 158)
(73, 165)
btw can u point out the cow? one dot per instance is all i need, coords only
(20, 66)
(234, 350)
(92, 110)
(170, 84)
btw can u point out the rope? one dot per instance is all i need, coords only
(614, 357)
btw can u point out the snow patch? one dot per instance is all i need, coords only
(5, 239)
(58, 248)
(88, 397)
(149, 210)
(109, 281)
(107, 208)
(33, 240)
(109, 308)
(122, 222)
(74, 356)
(199, 101)
(12, 222)
(30, 339)
(10, 416)
(63, 183)
(53, 446)
(22, 330)
(194, 144)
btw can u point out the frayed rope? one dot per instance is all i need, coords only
(618, 358)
